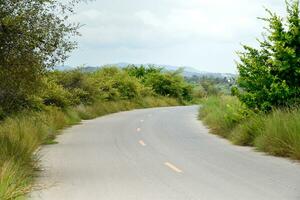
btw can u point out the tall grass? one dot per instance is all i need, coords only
(281, 134)
(22, 135)
(221, 113)
(277, 133)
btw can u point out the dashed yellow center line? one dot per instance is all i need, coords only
(138, 129)
(142, 143)
(173, 167)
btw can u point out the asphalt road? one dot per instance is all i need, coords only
(159, 154)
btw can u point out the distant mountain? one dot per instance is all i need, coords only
(84, 68)
(187, 71)
(63, 68)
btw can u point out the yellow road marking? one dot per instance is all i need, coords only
(142, 143)
(174, 168)
(138, 129)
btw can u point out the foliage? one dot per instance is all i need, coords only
(142, 71)
(114, 83)
(270, 75)
(55, 94)
(34, 35)
(199, 92)
(80, 85)
(211, 86)
(74, 87)
(66, 98)
(163, 83)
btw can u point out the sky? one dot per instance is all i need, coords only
(204, 34)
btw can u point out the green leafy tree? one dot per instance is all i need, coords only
(142, 71)
(163, 83)
(34, 35)
(115, 84)
(169, 84)
(270, 75)
(210, 87)
(79, 84)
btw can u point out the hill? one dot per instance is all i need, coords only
(187, 70)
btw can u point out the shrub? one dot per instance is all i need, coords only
(116, 84)
(55, 95)
(199, 92)
(163, 83)
(210, 88)
(142, 72)
(79, 84)
(270, 75)
(169, 84)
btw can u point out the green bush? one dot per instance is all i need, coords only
(79, 84)
(142, 72)
(117, 84)
(55, 95)
(71, 88)
(169, 84)
(163, 83)
(210, 88)
(270, 75)
(199, 92)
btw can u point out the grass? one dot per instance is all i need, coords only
(222, 113)
(277, 133)
(281, 134)
(22, 135)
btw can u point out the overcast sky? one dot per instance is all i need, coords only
(203, 34)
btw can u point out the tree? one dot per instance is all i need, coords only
(34, 36)
(270, 76)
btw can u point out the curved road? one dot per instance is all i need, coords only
(159, 154)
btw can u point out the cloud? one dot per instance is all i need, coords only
(157, 27)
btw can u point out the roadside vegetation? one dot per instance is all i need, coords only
(66, 98)
(36, 102)
(276, 132)
(205, 86)
(260, 108)
(263, 108)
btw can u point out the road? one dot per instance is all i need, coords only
(159, 154)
